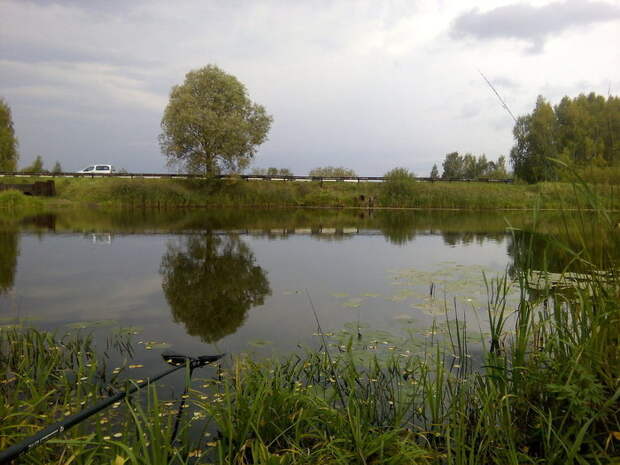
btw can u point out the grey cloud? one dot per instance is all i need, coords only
(532, 24)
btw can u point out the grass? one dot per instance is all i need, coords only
(174, 193)
(13, 201)
(47, 377)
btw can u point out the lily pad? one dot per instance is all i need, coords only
(157, 345)
(91, 324)
(259, 343)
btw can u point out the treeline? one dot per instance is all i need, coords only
(323, 171)
(468, 166)
(582, 132)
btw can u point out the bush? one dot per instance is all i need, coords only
(14, 200)
(398, 188)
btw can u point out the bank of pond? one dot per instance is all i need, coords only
(176, 193)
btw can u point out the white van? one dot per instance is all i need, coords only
(98, 169)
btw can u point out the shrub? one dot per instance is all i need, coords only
(398, 188)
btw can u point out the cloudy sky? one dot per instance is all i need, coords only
(364, 84)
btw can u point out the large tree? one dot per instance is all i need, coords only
(210, 124)
(536, 145)
(8, 141)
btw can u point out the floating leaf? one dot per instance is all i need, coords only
(131, 330)
(259, 343)
(339, 295)
(157, 345)
(91, 324)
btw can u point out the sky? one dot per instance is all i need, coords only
(366, 84)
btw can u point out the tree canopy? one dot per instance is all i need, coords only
(8, 141)
(272, 171)
(583, 131)
(36, 166)
(468, 166)
(210, 125)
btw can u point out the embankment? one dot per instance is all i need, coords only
(176, 193)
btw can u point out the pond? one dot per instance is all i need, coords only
(256, 281)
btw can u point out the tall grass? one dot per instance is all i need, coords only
(45, 377)
(13, 201)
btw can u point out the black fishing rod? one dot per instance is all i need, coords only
(178, 362)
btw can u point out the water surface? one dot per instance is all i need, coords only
(248, 281)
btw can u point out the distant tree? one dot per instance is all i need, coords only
(8, 141)
(36, 166)
(272, 171)
(470, 166)
(210, 124)
(453, 166)
(435, 172)
(332, 171)
(497, 170)
(535, 144)
(57, 168)
(279, 172)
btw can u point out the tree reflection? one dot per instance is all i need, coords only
(211, 282)
(9, 250)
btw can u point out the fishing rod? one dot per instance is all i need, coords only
(501, 100)
(176, 360)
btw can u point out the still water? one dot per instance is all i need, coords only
(251, 281)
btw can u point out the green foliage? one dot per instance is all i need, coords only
(57, 168)
(434, 172)
(535, 144)
(14, 201)
(46, 377)
(272, 171)
(332, 171)
(398, 187)
(210, 125)
(581, 132)
(36, 166)
(468, 166)
(8, 141)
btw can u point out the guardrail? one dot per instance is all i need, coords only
(247, 177)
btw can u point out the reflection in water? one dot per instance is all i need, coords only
(210, 282)
(531, 251)
(9, 250)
